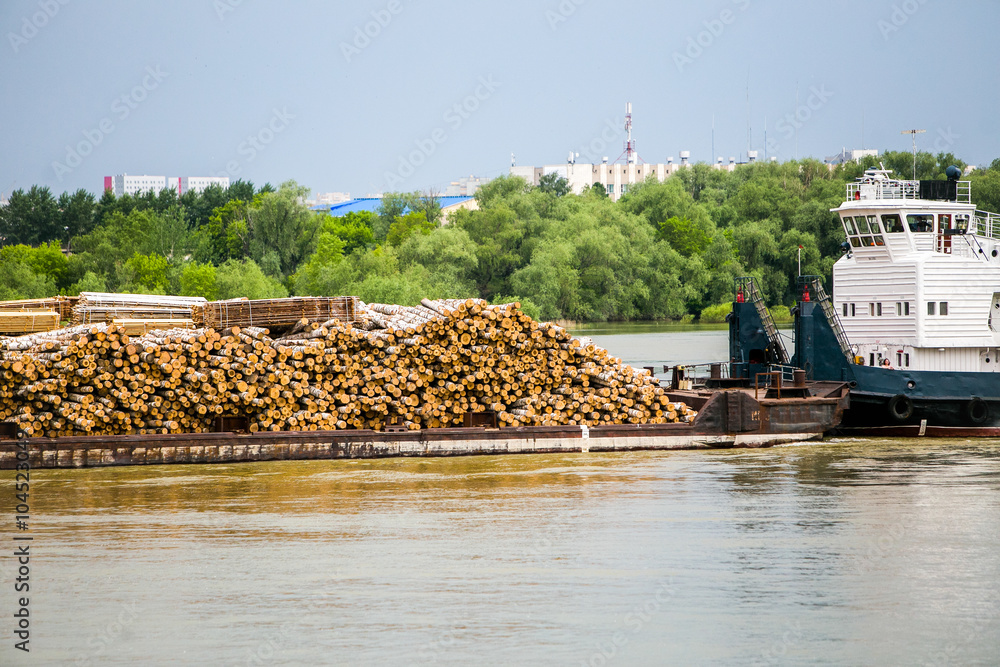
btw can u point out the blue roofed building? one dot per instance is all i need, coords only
(448, 206)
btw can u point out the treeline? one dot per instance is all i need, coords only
(664, 251)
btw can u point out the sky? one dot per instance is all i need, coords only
(401, 95)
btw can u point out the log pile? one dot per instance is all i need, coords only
(139, 327)
(274, 312)
(414, 367)
(98, 307)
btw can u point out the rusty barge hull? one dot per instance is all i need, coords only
(726, 419)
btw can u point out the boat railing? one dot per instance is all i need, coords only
(786, 372)
(748, 289)
(899, 189)
(987, 224)
(826, 305)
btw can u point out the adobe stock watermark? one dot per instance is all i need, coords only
(635, 620)
(454, 117)
(899, 17)
(108, 636)
(704, 40)
(971, 637)
(268, 650)
(597, 148)
(363, 35)
(778, 649)
(30, 25)
(223, 7)
(257, 142)
(565, 10)
(945, 139)
(444, 641)
(121, 108)
(797, 119)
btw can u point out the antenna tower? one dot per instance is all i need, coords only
(631, 155)
(913, 134)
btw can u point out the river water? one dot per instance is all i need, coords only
(845, 552)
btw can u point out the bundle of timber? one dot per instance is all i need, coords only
(63, 305)
(416, 367)
(98, 307)
(275, 312)
(27, 321)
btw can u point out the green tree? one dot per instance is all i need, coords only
(240, 189)
(235, 279)
(30, 217)
(280, 223)
(407, 225)
(354, 229)
(47, 259)
(554, 184)
(198, 280)
(78, 212)
(144, 274)
(684, 236)
(448, 255)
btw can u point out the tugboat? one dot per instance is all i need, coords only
(914, 322)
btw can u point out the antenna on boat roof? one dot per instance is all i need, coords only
(913, 134)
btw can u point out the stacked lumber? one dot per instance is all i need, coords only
(27, 321)
(274, 312)
(97, 307)
(63, 305)
(413, 367)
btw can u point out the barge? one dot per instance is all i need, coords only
(726, 419)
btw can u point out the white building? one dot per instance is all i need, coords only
(330, 198)
(124, 184)
(467, 186)
(616, 178)
(199, 183)
(854, 155)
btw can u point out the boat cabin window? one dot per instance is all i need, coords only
(930, 307)
(863, 231)
(943, 308)
(892, 223)
(920, 222)
(962, 222)
(944, 222)
(902, 308)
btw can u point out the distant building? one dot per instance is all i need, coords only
(330, 198)
(124, 184)
(614, 178)
(467, 186)
(851, 155)
(199, 183)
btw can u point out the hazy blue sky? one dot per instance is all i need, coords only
(270, 91)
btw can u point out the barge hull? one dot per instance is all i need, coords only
(302, 445)
(725, 419)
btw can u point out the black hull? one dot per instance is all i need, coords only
(880, 398)
(873, 410)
